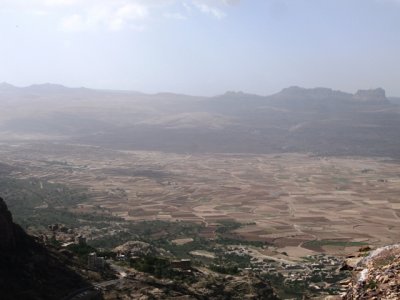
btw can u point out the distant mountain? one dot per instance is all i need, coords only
(326, 99)
(319, 120)
(374, 96)
(28, 270)
(47, 87)
(322, 94)
(7, 86)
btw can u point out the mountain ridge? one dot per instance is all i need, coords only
(321, 121)
(317, 91)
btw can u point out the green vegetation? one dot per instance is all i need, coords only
(372, 284)
(227, 237)
(182, 251)
(161, 234)
(158, 233)
(114, 240)
(384, 260)
(236, 241)
(227, 226)
(33, 192)
(159, 267)
(316, 244)
(54, 242)
(39, 203)
(225, 269)
(81, 250)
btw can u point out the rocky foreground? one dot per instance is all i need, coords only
(203, 287)
(377, 276)
(28, 270)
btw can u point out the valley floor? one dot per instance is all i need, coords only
(299, 204)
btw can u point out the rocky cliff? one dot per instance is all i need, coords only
(12, 237)
(377, 276)
(29, 270)
(372, 96)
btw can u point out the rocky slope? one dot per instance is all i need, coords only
(200, 286)
(28, 270)
(139, 248)
(377, 276)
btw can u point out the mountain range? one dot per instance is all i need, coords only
(320, 120)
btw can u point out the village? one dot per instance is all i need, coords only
(318, 273)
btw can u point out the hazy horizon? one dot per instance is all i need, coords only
(196, 95)
(202, 47)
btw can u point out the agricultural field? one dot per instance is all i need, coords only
(298, 204)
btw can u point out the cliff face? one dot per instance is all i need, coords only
(372, 96)
(12, 237)
(7, 234)
(28, 270)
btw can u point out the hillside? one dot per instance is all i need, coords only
(320, 120)
(29, 270)
(377, 276)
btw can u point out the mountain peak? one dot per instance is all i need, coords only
(47, 86)
(6, 86)
(372, 95)
(237, 94)
(318, 92)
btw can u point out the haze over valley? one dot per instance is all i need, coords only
(199, 150)
(300, 173)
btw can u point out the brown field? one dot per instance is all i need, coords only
(286, 199)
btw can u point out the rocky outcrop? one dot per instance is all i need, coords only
(372, 96)
(7, 230)
(28, 270)
(377, 276)
(12, 237)
(199, 287)
(320, 93)
(138, 248)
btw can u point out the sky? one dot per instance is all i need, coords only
(202, 47)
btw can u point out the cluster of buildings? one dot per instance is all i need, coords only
(64, 235)
(319, 272)
(95, 263)
(67, 237)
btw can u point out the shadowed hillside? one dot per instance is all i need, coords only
(27, 269)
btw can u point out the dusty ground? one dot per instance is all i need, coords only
(287, 200)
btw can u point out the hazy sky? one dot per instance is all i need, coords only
(202, 47)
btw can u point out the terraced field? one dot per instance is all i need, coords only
(299, 203)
